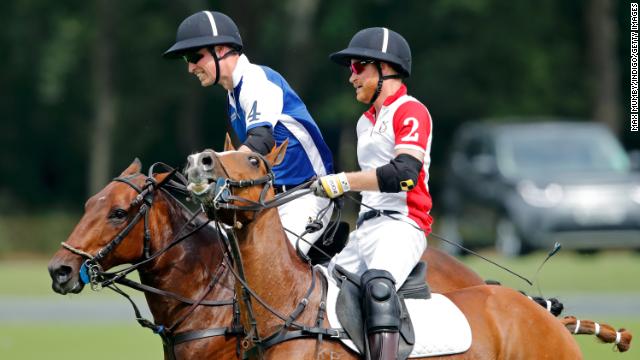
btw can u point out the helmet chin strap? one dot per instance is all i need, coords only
(212, 51)
(381, 78)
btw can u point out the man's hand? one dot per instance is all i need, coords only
(331, 186)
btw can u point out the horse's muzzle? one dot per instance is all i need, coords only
(199, 172)
(64, 279)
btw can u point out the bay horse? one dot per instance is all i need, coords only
(186, 269)
(505, 324)
(187, 275)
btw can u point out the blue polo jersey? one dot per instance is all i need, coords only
(262, 97)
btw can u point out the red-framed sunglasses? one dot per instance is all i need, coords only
(358, 66)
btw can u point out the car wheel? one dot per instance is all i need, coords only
(508, 240)
(449, 231)
(587, 252)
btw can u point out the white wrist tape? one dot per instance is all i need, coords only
(336, 185)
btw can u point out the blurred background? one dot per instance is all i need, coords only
(84, 91)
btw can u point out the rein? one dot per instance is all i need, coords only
(222, 198)
(91, 271)
(557, 246)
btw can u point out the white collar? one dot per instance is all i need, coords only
(238, 72)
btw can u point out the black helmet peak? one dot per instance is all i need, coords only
(204, 29)
(377, 43)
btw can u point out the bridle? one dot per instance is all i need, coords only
(223, 198)
(219, 195)
(91, 271)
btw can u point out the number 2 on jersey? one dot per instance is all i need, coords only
(413, 134)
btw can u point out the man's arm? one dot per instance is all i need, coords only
(370, 180)
(262, 102)
(412, 128)
(259, 139)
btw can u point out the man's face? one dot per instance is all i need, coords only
(364, 78)
(204, 68)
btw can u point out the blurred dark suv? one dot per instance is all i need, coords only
(524, 186)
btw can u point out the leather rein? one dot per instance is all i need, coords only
(91, 271)
(223, 197)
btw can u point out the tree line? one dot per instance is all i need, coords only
(85, 90)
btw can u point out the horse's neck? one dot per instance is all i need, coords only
(187, 268)
(272, 268)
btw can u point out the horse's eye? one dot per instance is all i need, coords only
(254, 161)
(118, 214)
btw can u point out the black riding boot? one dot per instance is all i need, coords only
(383, 345)
(382, 314)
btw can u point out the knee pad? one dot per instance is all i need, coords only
(381, 304)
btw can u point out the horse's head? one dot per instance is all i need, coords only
(113, 213)
(233, 180)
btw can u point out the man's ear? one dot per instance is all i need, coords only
(133, 168)
(228, 145)
(387, 69)
(276, 155)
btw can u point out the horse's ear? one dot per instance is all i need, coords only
(276, 155)
(160, 178)
(134, 168)
(228, 145)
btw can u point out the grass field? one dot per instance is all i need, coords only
(71, 341)
(611, 272)
(117, 341)
(567, 272)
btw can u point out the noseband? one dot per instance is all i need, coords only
(219, 194)
(91, 271)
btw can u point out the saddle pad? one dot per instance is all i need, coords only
(440, 327)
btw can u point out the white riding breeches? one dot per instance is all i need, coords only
(384, 244)
(296, 214)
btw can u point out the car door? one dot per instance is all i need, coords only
(477, 178)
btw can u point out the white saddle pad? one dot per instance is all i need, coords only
(440, 327)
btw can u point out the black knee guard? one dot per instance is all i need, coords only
(381, 305)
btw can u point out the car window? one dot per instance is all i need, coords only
(478, 145)
(562, 150)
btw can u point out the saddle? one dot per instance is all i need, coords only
(348, 306)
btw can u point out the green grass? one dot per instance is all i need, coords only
(593, 349)
(71, 341)
(35, 233)
(566, 272)
(31, 278)
(115, 341)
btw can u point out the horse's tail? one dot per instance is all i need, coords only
(606, 333)
(553, 305)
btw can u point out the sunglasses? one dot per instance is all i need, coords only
(359, 66)
(192, 58)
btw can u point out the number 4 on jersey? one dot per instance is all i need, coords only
(253, 114)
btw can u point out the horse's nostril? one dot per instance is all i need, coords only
(62, 274)
(207, 160)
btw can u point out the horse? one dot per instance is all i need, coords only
(187, 269)
(504, 323)
(171, 275)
